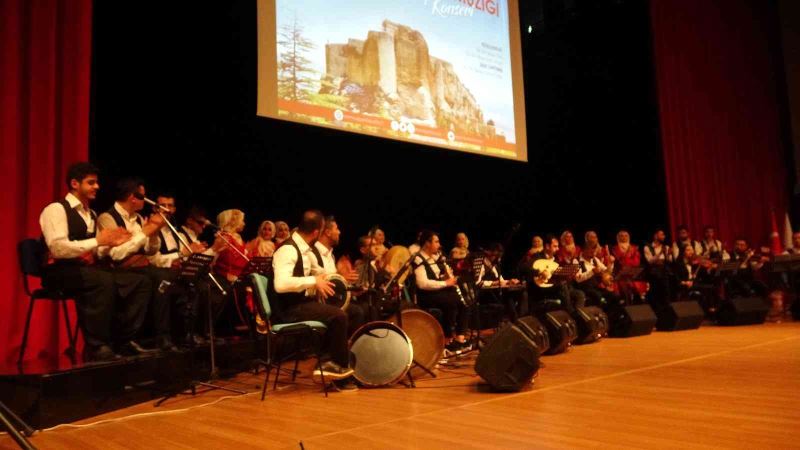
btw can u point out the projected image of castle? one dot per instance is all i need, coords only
(388, 83)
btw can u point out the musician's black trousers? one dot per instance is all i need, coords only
(106, 300)
(162, 297)
(454, 312)
(356, 317)
(334, 318)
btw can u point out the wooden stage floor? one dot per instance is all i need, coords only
(735, 387)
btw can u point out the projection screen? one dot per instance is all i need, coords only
(445, 73)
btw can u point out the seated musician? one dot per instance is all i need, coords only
(172, 249)
(589, 278)
(436, 288)
(684, 239)
(658, 273)
(692, 274)
(281, 233)
(711, 247)
(229, 246)
(570, 297)
(461, 249)
(568, 251)
(795, 248)
(323, 251)
(380, 243)
(110, 303)
(194, 226)
(746, 280)
(627, 255)
(298, 282)
(600, 252)
(263, 245)
(367, 265)
(490, 283)
(133, 256)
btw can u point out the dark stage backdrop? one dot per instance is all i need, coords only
(175, 100)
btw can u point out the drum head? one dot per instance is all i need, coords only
(394, 259)
(382, 354)
(341, 296)
(426, 336)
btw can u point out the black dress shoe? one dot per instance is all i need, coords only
(102, 353)
(133, 348)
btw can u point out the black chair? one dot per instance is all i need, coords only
(310, 331)
(32, 253)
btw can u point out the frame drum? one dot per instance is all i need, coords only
(426, 336)
(341, 296)
(382, 354)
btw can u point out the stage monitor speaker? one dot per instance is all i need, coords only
(592, 324)
(634, 320)
(680, 316)
(742, 311)
(509, 361)
(562, 330)
(535, 331)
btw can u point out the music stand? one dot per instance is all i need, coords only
(729, 267)
(192, 270)
(6, 417)
(565, 272)
(258, 264)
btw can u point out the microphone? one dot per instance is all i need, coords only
(152, 203)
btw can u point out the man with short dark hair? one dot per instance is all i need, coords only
(110, 305)
(298, 281)
(684, 239)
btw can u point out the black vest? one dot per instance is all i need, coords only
(488, 273)
(78, 230)
(164, 250)
(419, 260)
(287, 299)
(317, 254)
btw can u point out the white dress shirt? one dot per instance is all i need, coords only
(283, 262)
(714, 246)
(167, 259)
(137, 241)
(421, 275)
(55, 230)
(676, 248)
(328, 260)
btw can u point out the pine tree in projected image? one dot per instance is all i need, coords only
(296, 77)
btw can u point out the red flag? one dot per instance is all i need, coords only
(775, 237)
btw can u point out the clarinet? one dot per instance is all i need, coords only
(448, 273)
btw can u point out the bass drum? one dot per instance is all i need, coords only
(426, 336)
(382, 354)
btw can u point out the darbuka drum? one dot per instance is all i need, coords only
(382, 354)
(341, 295)
(426, 337)
(394, 259)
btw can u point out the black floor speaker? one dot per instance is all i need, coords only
(509, 361)
(680, 316)
(742, 311)
(535, 331)
(562, 330)
(634, 320)
(592, 324)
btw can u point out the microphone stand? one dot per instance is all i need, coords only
(214, 373)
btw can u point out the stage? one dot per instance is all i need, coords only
(712, 387)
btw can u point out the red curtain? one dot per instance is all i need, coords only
(720, 131)
(45, 62)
